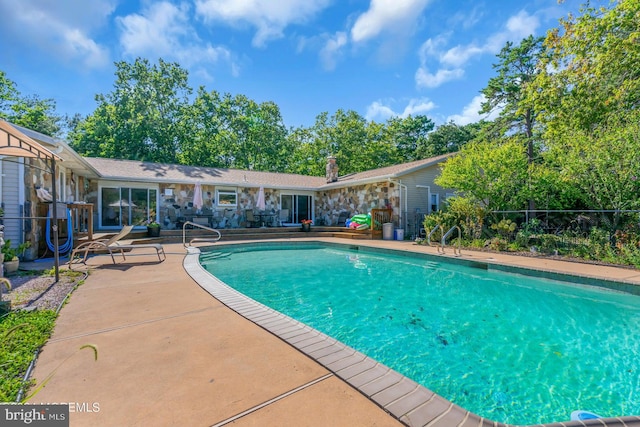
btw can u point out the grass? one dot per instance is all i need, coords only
(22, 333)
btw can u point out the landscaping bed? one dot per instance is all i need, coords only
(35, 301)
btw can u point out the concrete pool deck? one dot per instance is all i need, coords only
(170, 354)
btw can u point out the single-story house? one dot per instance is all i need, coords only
(121, 192)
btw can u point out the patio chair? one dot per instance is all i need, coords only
(283, 217)
(342, 218)
(251, 218)
(113, 245)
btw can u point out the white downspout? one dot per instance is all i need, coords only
(403, 218)
(406, 206)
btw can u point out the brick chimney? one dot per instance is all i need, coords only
(332, 169)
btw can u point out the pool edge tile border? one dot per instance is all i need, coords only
(409, 403)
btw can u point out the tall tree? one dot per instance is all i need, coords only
(234, 131)
(28, 111)
(37, 114)
(447, 138)
(592, 69)
(142, 118)
(517, 68)
(8, 94)
(408, 135)
(589, 91)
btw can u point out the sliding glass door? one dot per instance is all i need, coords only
(299, 206)
(127, 206)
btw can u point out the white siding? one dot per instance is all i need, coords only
(11, 199)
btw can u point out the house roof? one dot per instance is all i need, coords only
(395, 171)
(132, 170)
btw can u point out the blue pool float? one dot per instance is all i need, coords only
(583, 415)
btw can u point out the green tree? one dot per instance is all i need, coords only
(447, 138)
(343, 135)
(141, 118)
(234, 132)
(28, 111)
(408, 135)
(8, 95)
(588, 89)
(592, 70)
(492, 174)
(603, 163)
(517, 68)
(36, 114)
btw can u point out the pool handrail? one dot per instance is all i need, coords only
(198, 239)
(447, 234)
(433, 231)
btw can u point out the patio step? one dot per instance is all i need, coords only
(231, 234)
(234, 234)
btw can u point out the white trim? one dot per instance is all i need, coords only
(111, 184)
(21, 188)
(226, 191)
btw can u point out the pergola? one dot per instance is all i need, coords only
(14, 143)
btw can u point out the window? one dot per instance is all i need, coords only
(434, 202)
(226, 198)
(127, 206)
(299, 207)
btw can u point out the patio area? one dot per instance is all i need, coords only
(170, 354)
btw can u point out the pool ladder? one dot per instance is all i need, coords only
(443, 240)
(213, 239)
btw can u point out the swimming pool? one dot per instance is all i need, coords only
(508, 347)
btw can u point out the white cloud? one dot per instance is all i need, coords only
(430, 51)
(61, 28)
(417, 107)
(396, 16)
(451, 62)
(158, 29)
(332, 50)
(471, 112)
(163, 30)
(377, 110)
(517, 28)
(459, 55)
(268, 17)
(426, 79)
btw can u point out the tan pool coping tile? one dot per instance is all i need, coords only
(140, 295)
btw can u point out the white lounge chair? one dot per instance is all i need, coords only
(113, 245)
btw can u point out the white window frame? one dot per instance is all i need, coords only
(226, 192)
(119, 185)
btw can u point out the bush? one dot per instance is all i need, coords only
(22, 333)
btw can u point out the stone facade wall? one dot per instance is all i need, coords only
(37, 175)
(330, 204)
(183, 196)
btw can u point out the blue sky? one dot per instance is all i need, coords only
(380, 58)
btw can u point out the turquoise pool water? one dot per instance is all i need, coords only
(508, 347)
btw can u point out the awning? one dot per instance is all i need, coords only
(14, 143)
